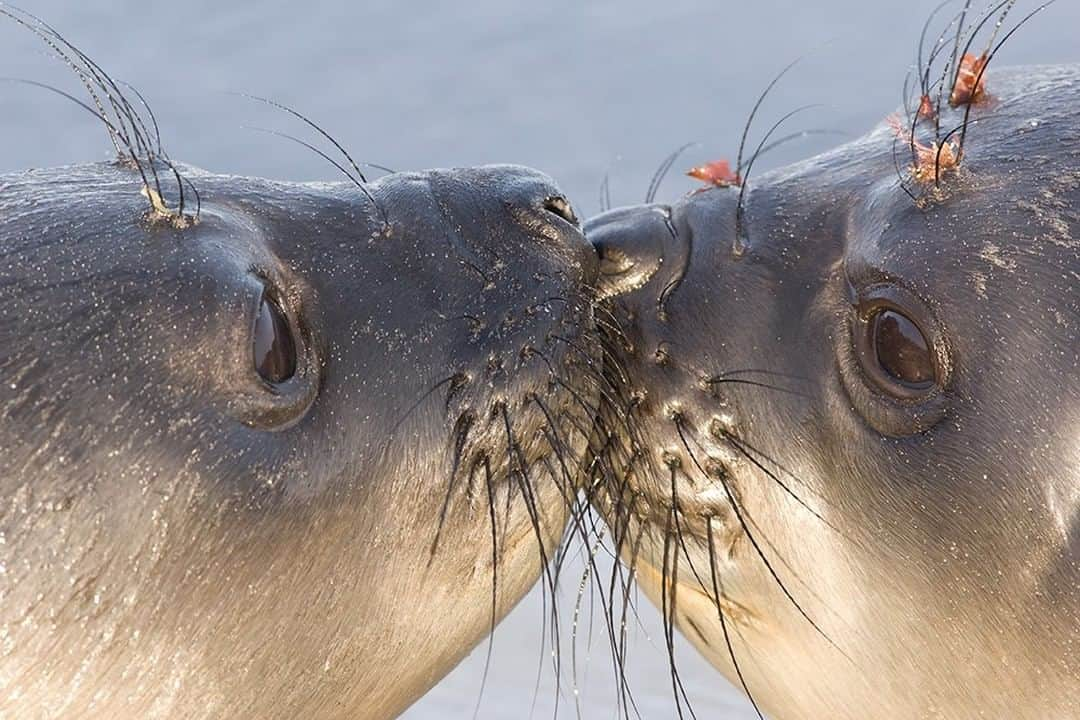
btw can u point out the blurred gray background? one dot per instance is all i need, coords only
(577, 89)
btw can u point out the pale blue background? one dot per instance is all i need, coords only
(576, 89)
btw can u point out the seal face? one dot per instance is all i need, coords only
(292, 460)
(846, 462)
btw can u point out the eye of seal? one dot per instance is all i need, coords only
(895, 353)
(279, 365)
(895, 362)
(273, 345)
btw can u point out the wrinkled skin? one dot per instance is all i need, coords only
(179, 538)
(934, 542)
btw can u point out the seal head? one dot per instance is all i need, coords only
(852, 470)
(294, 459)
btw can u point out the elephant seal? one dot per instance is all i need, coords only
(845, 460)
(290, 454)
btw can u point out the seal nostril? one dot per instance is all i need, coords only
(558, 205)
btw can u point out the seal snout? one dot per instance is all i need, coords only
(519, 216)
(629, 244)
(541, 207)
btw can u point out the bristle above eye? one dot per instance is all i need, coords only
(961, 84)
(356, 177)
(128, 131)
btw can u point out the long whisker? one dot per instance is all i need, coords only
(108, 123)
(125, 125)
(952, 64)
(585, 577)
(753, 383)
(667, 612)
(662, 171)
(989, 57)
(798, 136)
(754, 111)
(739, 515)
(762, 371)
(310, 123)
(360, 185)
(310, 147)
(774, 477)
(150, 112)
(520, 473)
(494, 585)
(717, 594)
(412, 408)
(462, 427)
(924, 77)
(628, 605)
(122, 109)
(101, 113)
(740, 211)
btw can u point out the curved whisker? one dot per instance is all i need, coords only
(990, 56)
(127, 130)
(360, 185)
(740, 211)
(739, 515)
(150, 112)
(108, 123)
(753, 383)
(517, 468)
(494, 584)
(742, 450)
(310, 123)
(717, 594)
(668, 583)
(754, 111)
(663, 170)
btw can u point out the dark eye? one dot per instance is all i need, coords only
(273, 345)
(896, 363)
(902, 350)
(895, 353)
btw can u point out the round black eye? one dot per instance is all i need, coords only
(901, 350)
(273, 345)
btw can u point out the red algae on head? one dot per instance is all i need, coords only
(928, 161)
(718, 173)
(969, 87)
(926, 108)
